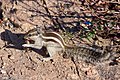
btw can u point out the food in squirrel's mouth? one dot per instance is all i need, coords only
(30, 41)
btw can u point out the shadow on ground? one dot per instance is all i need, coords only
(16, 40)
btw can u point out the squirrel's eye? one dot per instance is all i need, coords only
(29, 34)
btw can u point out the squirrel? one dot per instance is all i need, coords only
(54, 42)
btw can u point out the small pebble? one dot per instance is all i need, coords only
(3, 71)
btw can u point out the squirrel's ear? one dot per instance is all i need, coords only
(38, 29)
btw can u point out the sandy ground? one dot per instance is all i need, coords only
(18, 64)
